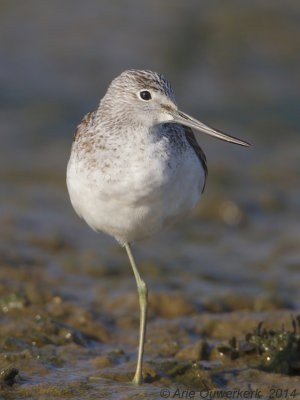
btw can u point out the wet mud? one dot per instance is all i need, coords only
(70, 318)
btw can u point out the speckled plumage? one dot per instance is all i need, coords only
(136, 167)
(141, 175)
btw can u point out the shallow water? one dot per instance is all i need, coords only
(68, 302)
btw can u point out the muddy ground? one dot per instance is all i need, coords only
(223, 297)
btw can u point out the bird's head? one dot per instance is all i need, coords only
(143, 97)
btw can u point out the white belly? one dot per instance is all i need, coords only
(138, 200)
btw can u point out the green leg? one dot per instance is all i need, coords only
(143, 299)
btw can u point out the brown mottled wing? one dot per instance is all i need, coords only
(86, 121)
(200, 154)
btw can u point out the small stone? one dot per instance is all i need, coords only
(7, 376)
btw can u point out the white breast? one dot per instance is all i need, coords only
(143, 188)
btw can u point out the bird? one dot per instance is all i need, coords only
(136, 167)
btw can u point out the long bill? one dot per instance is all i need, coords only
(184, 119)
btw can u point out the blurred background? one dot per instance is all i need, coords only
(233, 65)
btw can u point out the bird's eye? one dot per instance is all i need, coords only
(145, 95)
